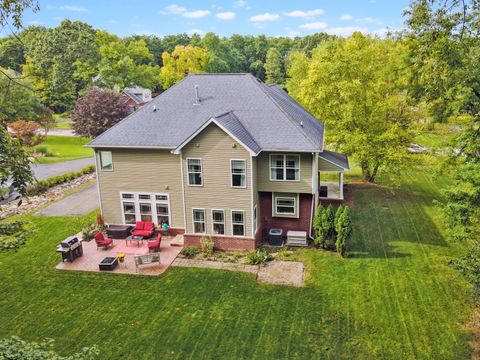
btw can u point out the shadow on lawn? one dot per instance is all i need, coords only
(382, 218)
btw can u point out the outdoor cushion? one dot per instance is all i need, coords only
(139, 225)
(148, 225)
(144, 233)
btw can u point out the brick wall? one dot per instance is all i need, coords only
(221, 242)
(302, 223)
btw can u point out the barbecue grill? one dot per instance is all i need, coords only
(70, 248)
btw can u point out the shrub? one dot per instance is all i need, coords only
(206, 244)
(13, 234)
(16, 348)
(89, 232)
(344, 231)
(26, 132)
(285, 254)
(324, 224)
(190, 252)
(338, 213)
(100, 221)
(42, 149)
(43, 185)
(259, 256)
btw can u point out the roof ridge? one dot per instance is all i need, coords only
(143, 108)
(257, 82)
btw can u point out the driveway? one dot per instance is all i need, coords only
(78, 204)
(43, 171)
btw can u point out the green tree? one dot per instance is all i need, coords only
(274, 67)
(181, 62)
(12, 53)
(357, 87)
(338, 214)
(14, 163)
(317, 225)
(19, 101)
(119, 64)
(344, 231)
(51, 55)
(324, 226)
(444, 54)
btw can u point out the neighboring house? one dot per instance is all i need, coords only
(136, 97)
(219, 154)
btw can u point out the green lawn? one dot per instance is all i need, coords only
(393, 299)
(65, 148)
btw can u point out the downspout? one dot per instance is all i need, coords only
(251, 196)
(183, 193)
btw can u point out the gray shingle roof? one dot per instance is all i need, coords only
(336, 158)
(264, 117)
(133, 96)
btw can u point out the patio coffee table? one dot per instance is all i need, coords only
(108, 264)
(134, 238)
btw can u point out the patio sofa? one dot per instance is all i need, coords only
(144, 228)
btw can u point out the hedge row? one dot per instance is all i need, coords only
(43, 185)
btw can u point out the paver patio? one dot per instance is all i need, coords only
(92, 257)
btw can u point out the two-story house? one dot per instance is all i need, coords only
(219, 154)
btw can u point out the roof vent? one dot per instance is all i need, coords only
(301, 123)
(197, 97)
(154, 108)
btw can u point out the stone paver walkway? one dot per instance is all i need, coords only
(275, 272)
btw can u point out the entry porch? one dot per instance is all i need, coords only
(331, 167)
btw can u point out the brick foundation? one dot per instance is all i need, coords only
(176, 231)
(221, 242)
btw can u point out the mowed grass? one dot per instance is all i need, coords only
(394, 298)
(64, 148)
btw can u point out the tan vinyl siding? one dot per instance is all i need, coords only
(138, 170)
(302, 186)
(324, 165)
(216, 148)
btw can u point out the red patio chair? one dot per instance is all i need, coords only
(155, 244)
(102, 241)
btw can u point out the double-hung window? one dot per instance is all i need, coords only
(106, 162)
(239, 173)
(238, 223)
(161, 204)
(194, 172)
(285, 206)
(198, 220)
(284, 167)
(218, 222)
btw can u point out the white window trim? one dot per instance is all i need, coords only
(188, 172)
(153, 202)
(255, 220)
(284, 167)
(231, 173)
(216, 222)
(100, 159)
(274, 205)
(244, 222)
(204, 220)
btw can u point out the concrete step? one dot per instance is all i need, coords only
(177, 241)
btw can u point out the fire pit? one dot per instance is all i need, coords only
(108, 264)
(70, 248)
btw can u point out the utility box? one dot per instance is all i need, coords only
(275, 237)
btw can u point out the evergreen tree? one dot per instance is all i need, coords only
(328, 225)
(344, 231)
(317, 223)
(338, 214)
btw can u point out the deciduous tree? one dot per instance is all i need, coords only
(98, 110)
(181, 62)
(357, 87)
(274, 67)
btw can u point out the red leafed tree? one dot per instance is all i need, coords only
(26, 132)
(98, 110)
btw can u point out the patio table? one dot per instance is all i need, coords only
(134, 238)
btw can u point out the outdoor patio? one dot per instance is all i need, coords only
(92, 257)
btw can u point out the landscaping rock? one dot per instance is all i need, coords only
(32, 203)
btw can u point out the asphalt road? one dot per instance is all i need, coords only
(80, 203)
(43, 171)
